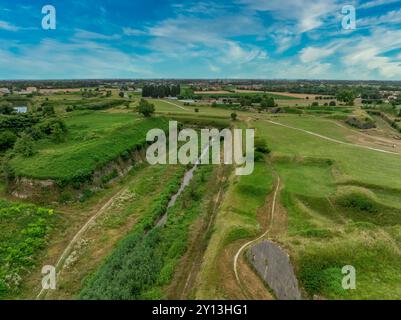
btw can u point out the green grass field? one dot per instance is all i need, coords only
(342, 208)
(93, 140)
(245, 94)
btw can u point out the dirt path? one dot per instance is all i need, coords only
(67, 251)
(332, 139)
(388, 142)
(174, 104)
(273, 207)
(186, 274)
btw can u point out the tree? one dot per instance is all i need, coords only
(57, 132)
(146, 108)
(268, 103)
(48, 110)
(233, 116)
(6, 108)
(261, 145)
(7, 140)
(24, 145)
(346, 96)
(121, 94)
(196, 110)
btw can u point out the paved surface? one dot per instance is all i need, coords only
(274, 266)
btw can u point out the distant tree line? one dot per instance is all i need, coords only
(161, 91)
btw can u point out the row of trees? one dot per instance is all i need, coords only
(161, 91)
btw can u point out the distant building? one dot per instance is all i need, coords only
(4, 91)
(21, 109)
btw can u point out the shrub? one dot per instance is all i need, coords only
(146, 108)
(358, 202)
(24, 145)
(7, 140)
(261, 146)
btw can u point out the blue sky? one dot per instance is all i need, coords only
(269, 39)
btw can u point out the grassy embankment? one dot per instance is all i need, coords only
(93, 140)
(143, 263)
(343, 209)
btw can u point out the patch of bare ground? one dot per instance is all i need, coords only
(385, 138)
(296, 95)
(72, 220)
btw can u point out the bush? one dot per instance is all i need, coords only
(358, 202)
(261, 146)
(7, 140)
(24, 145)
(146, 108)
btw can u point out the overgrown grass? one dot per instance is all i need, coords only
(237, 219)
(94, 139)
(24, 229)
(144, 261)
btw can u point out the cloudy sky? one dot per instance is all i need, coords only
(269, 39)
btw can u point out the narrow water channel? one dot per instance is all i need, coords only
(185, 182)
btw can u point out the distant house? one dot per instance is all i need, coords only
(21, 109)
(187, 101)
(4, 91)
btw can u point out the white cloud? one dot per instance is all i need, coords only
(77, 59)
(305, 14)
(313, 54)
(83, 34)
(7, 26)
(133, 32)
(376, 3)
(390, 18)
(371, 53)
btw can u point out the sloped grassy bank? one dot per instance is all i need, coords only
(93, 153)
(144, 262)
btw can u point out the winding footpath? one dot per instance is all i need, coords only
(331, 139)
(174, 104)
(273, 208)
(67, 251)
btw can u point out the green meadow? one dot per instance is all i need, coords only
(93, 140)
(343, 208)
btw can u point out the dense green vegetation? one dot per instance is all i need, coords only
(24, 230)
(144, 262)
(93, 140)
